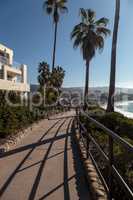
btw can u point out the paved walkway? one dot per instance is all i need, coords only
(45, 165)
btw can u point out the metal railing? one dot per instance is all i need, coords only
(113, 172)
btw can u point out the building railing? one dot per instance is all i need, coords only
(113, 172)
(16, 65)
(14, 86)
(4, 60)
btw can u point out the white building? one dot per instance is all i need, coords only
(12, 78)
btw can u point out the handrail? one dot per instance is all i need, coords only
(94, 162)
(111, 133)
(113, 172)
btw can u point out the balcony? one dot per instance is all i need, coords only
(4, 60)
(14, 86)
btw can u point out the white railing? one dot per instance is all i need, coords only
(4, 60)
(16, 65)
(10, 85)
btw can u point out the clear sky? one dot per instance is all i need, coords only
(25, 28)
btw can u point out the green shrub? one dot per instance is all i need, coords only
(13, 119)
(8, 121)
(123, 159)
(118, 123)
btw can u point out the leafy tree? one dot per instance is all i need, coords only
(110, 106)
(89, 35)
(55, 8)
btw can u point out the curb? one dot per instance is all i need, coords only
(96, 187)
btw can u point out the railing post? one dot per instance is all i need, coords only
(80, 129)
(88, 144)
(111, 160)
(77, 117)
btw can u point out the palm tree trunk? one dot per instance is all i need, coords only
(54, 49)
(86, 83)
(110, 106)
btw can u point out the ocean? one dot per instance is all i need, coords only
(126, 108)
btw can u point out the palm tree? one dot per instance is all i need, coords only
(110, 106)
(89, 35)
(44, 75)
(57, 77)
(54, 8)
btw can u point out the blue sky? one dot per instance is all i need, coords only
(25, 28)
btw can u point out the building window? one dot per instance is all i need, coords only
(4, 58)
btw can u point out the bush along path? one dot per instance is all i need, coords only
(123, 159)
(16, 122)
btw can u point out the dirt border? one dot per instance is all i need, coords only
(10, 141)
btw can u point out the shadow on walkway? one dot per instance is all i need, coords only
(81, 184)
(33, 147)
(29, 146)
(38, 177)
(66, 184)
(69, 144)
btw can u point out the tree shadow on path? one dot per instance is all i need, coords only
(81, 183)
(41, 168)
(11, 177)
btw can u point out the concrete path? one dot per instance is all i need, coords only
(45, 165)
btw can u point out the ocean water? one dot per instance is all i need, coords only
(126, 108)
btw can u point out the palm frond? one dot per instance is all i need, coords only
(102, 22)
(78, 29)
(55, 7)
(91, 15)
(61, 3)
(77, 42)
(49, 10)
(47, 7)
(103, 31)
(63, 9)
(100, 43)
(83, 14)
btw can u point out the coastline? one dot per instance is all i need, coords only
(121, 103)
(125, 113)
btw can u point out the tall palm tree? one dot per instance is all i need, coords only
(89, 35)
(55, 8)
(110, 106)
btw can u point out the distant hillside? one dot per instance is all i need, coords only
(35, 87)
(101, 89)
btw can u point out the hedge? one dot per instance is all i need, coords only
(14, 119)
(123, 126)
